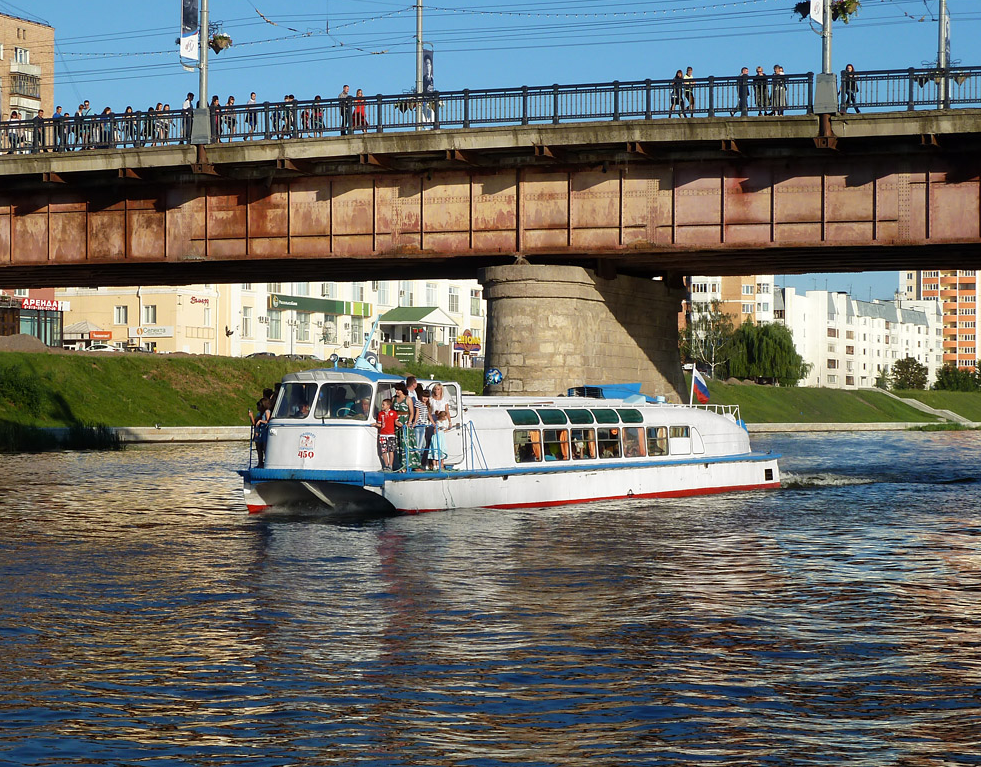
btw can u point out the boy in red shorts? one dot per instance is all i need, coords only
(385, 423)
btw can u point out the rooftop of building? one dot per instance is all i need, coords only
(26, 21)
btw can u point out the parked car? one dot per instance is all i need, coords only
(303, 357)
(260, 354)
(102, 348)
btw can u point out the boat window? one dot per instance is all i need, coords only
(552, 416)
(579, 416)
(527, 446)
(583, 444)
(556, 444)
(608, 441)
(344, 400)
(296, 400)
(680, 440)
(633, 442)
(523, 417)
(606, 416)
(631, 416)
(657, 440)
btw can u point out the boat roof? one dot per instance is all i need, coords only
(340, 374)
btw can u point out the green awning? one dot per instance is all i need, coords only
(432, 316)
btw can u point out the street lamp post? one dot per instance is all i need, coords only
(293, 324)
(826, 83)
(201, 121)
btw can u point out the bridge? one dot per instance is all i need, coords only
(580, 178)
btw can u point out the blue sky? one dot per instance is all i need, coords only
(118, 52)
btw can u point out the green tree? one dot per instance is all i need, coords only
(908, 374)
(766, 354)
(952, 378)
(707, 335)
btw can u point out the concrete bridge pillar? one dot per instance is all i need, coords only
(552, 327)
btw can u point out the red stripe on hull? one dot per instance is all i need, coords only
(670, 494)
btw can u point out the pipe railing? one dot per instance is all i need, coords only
(742, 95)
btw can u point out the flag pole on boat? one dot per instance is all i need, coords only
(691, 393)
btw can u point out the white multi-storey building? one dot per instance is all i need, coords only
(308, 318)
(850, 344)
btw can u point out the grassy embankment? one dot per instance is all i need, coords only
(85, 391)
(767, 404)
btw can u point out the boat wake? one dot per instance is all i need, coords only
(791, 481)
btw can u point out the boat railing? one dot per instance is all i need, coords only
(726, 410)
(472, 451)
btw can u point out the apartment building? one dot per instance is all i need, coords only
(850, 344)
(304, 318)
(742, 298)
(957, 292)
(26, 67)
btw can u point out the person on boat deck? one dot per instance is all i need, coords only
(401, 406)
(387, 443)
(411, 443)
(423, 426)
(440, 403)
(260, 424)
(436, 452)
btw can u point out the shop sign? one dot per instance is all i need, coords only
(152, 331)
(196, 300)
(100, 335)
(45, 304)
(468, 342)
(280, 302)
(404, 353)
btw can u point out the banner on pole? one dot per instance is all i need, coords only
(427, 71)
(190, 30)
(817, 11)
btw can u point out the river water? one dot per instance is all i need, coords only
(145, 619)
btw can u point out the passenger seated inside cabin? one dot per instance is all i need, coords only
(302, 411)
(609, 442)
(363, 411)
(527, 446)
(633, 443)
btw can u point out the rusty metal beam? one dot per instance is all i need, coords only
(130, 174)
(52, 178)
(465, 157)
(379, 161)
(295, 166)
(552, 153)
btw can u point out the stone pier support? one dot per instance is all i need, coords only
(552, 327)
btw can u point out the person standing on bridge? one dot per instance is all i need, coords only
(344, 102)
(359, 119)
(677, 93)
(37, 135)
(761, 92)
(742, 92)
(849, 90)
(779, 90)
(188, 107)
(60, 131)
(690, 91)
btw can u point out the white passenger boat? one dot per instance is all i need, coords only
(500, 453)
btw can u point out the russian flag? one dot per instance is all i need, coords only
(698, 386)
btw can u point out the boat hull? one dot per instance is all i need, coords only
(540, 486)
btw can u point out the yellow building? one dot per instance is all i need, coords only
(26, 67)
(162, 319)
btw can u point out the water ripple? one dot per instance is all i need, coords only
(144, 618)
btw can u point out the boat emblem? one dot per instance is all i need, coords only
(307, 441)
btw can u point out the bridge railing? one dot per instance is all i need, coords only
(528, 105)
(913, 88)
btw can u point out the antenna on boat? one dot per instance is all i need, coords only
(366, 360)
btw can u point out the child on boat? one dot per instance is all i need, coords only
(385, 423)
(436, 453)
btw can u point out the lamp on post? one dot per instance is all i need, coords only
(292, 324)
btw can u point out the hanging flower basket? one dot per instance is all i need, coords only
(220, 42)
(841, 10)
